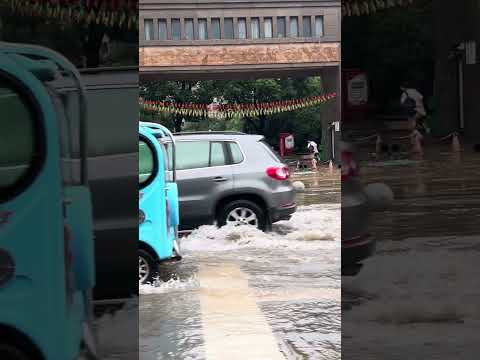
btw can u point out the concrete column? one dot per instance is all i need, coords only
(330, 113)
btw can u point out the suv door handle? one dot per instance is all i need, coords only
(219, 179)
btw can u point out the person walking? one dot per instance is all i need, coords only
(313, 149)
(412, 101)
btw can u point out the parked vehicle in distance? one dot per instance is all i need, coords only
(230, 178)
(357, 243)
(47, 268)
(158, 202)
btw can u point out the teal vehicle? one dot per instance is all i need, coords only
(47, 269)
(158, 201)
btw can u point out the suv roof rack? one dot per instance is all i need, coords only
(209, 133)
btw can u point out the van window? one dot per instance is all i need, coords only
(146, 166)
(109, 110)
(20, 150)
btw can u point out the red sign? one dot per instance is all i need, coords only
(287, 144)
(355, 90)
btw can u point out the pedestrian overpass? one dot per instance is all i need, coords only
(218, 40)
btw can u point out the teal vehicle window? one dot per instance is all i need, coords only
(147, 163)
(217, 154)
(237, 155)
(22, 143)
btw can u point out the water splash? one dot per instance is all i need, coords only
(161, 287)
(308, 229)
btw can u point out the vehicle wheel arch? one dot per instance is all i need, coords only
(13, 336)
(257, 199)
(142, 245)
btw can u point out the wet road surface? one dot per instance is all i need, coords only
(243, 294)
(419, 296)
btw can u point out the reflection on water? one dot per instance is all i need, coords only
(320, 187)
(293, 275)
(437, 196)
(418, 296)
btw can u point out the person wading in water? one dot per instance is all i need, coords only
(313, 149)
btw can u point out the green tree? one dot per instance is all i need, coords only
(305, 123)
(392, 45)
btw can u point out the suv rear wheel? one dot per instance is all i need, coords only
(243, 212)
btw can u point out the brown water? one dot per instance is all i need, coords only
(278, 292)
(418, 297)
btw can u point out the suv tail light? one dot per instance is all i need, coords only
(167, 207)
(349, 166)
(278, 173)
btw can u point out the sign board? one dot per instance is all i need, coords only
(337, 125)
(289, 142)
(357, 90)
(471, 52)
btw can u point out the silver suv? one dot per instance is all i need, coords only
(230, 178)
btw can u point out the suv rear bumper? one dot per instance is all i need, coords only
(282, 213)
(357, 249)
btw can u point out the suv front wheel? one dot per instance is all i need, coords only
(243, 212)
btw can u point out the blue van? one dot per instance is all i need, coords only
(47, 268)
(158, 202)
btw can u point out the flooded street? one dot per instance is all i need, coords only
(419, 296)
(243, 294)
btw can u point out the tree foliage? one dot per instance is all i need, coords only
(392, 45)
(304, 123)
(80, 43)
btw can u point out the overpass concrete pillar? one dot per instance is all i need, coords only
(330, 113)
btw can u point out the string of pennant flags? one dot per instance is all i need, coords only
(109, 13)
(367, 7)
(230, 110)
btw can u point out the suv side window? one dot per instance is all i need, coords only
(237, 155)
(22, 143)
(217, 154)
(198, 154)
(192, 154)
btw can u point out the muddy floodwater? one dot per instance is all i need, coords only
(419, 296)
(243, 294)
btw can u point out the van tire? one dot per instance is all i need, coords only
(152, 269)
(262, 218)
